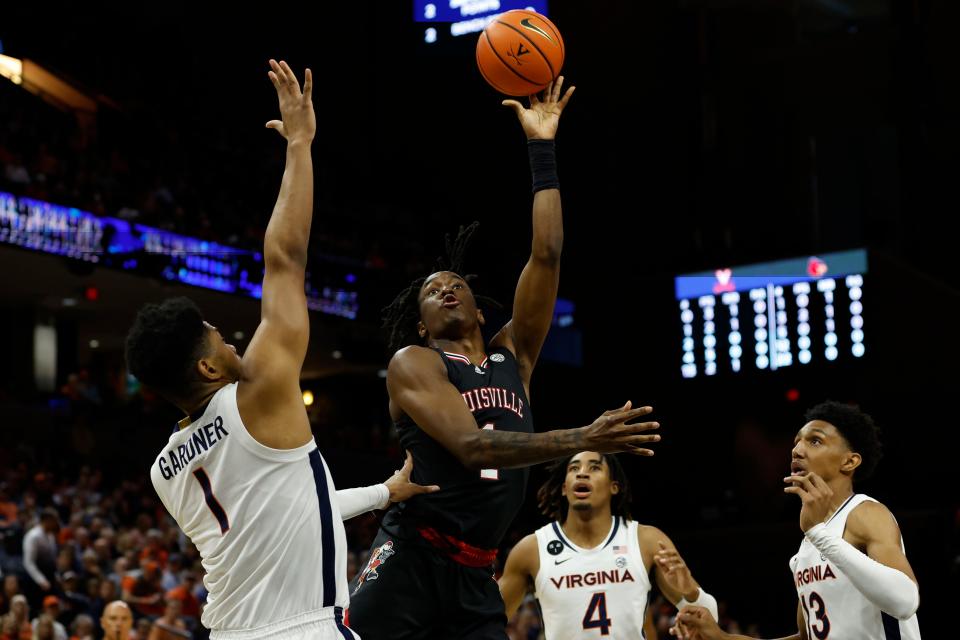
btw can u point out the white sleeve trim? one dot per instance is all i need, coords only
(359, 500)
(704, 600)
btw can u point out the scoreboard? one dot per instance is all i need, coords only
(453, 18)
(774, 315)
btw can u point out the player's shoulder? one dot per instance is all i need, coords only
(527, 544)
(869, 510)
(649, 534)
(869, 519)
(412, 359)
(525, 554)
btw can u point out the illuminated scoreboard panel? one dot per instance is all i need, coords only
(773, 315)
(461, 17)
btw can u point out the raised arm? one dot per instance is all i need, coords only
(536, 292)
(269, 393)
(418, 386)
(672, 574)
(521, 568)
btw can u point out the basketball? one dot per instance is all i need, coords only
(520, 52)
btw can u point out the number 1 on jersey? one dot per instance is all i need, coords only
(489, 474)
(211, 499)
(596, 615)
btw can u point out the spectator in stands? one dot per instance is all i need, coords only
(117, 621)
(44, 628)
(8, 509)
(11, 587)
(144, 592)
(169, 626)
(65, 562)
(74, 602)
(40, 551)
(8, 629)
(120, 567)
(144, 626)
(154, 548)
(83, 628)
(171, 573)
(51, 611)
(185, 594)
(18, 619)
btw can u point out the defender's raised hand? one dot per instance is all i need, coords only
(540, 121)
(612, 431)
(298, 121)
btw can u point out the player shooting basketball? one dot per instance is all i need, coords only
(462, 407)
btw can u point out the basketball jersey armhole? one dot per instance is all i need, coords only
(226, 404)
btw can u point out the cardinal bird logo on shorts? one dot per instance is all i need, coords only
(377, 558)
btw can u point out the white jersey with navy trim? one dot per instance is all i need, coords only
(832, 606)
(592, 593)
(265, 521)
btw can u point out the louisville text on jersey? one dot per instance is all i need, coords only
(486, 397)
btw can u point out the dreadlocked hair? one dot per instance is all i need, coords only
(400, 316)
(554, 505)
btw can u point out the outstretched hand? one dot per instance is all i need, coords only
(696, 623)
(298, 121)
(612, 431)
(541, 120)
(400, 486)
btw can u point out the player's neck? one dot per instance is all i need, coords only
(191, 406)
(587, 529)
(842, 490)
(471, 346)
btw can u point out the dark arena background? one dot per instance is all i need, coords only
(797, 158)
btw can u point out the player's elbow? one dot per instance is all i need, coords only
(283, 256)
(907, 607)
(547, 252)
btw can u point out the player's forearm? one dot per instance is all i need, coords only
(889, 589)
(492, 449)
(353, 502)
(288, 232)
(547, 226)
(547, 211)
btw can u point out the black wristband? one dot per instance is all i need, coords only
(543, 164)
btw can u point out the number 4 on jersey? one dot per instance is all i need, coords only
(596, 615)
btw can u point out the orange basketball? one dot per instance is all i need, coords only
(520, 52)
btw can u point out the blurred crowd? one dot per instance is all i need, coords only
(162, 176)
(72, 545)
